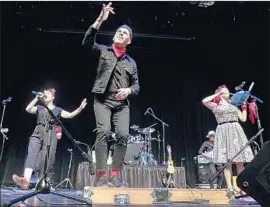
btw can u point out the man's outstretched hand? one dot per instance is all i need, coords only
(106, 10)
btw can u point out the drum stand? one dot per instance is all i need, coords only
(158, 136)
(147, 156)
(163, 132)
(67, 180)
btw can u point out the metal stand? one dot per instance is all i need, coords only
(231, 160)
(158, 136)
(44, 186)
(259, 123)
(163, 133)
(4, 136)
(67, 180)
(170, 182)
(5, 130)
(146, 156)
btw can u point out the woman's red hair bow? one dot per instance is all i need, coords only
(217, 99)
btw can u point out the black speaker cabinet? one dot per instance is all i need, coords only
(203, 174)
(255, 178)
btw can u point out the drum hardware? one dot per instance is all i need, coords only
(147, 130)
(134, 127)
(147, 158)
(163, 130)
(155, 139)
(139, 148)
(158, 136)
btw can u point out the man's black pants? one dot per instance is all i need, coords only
(110, 113)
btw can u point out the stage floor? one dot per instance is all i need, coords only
(138, 197)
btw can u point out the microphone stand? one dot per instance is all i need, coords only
(44, 186)
(238, 153)
(163, 133)
(4, 103)
(4, 137)
(259, 123)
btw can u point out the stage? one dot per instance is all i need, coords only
(137, 196)
(133, 176)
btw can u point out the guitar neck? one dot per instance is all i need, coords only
(169, 153)
(169, 156)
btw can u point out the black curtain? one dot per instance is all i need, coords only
(174, 76)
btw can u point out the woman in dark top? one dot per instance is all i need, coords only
(43, 135)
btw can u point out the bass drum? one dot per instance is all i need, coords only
(132, 154)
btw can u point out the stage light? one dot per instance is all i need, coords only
(121, 199)
(160, 195)
(87, 193)
(204, 4)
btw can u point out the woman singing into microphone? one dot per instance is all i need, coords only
(41, 136)
(230, 137)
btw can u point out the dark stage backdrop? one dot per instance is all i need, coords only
(175, 75)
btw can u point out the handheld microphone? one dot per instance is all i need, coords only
(38, 94)
(5, 101)
(240, 87)
(4, 130)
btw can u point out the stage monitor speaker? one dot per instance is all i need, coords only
(203, 174)
(255, 178)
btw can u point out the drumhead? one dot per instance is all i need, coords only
(132, 154)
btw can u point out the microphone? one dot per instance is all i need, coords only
(240, 87)
(4, 130)
(146, 111)
(70, 150)
(38, 94)
(5, 101)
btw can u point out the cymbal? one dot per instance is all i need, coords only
(147, 130)
(135, 127)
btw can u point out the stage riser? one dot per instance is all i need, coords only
(134, 176)
(143, 196)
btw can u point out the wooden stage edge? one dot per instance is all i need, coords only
(143, 195)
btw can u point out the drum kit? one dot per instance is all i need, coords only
(139, 148)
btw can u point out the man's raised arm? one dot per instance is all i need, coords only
(90, 34)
